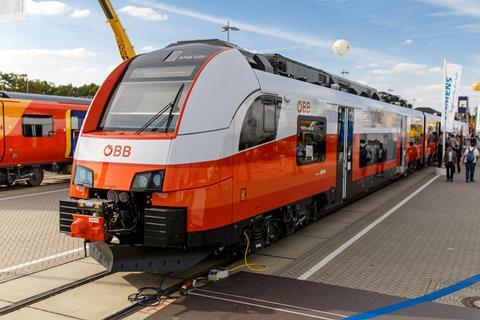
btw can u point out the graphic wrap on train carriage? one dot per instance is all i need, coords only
(377, 136)
(188, 147)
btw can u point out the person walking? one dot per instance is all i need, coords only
(440, 149)
(458, 151)
(450, 159)
(470, 158)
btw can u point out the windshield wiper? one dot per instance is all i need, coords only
(160, 113)
(170, 117)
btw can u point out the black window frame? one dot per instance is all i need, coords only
(49, 134)
(323, 146)
(372, 143)
(264, 136)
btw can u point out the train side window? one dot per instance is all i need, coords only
(377, 148)
(311, 140)
(260, 123)
(35, 125)
(269, 115)
(416, 134)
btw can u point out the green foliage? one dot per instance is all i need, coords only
(18, 83)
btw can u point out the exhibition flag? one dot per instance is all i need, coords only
(451, 87)
(477, 126)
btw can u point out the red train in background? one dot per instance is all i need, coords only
(37, 133)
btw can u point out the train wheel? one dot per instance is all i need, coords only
(36, 178)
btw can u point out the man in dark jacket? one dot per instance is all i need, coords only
(450, 159)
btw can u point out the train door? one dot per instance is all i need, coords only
(2, 131)
(76, 121)
(403, 130)
(344, 153)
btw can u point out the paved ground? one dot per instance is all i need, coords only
(29, 237)
(427, 244)
(430, 242)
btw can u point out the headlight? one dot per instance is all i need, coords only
(148, 181)
(83, 177)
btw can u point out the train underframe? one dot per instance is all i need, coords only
(128, 234)
(31, 174)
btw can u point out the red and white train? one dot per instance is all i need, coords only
(186, 148)
(37, 132)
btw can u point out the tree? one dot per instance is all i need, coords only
(18, 83)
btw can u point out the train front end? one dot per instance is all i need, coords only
(151, 181)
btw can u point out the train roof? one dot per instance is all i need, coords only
(43, 97)
(278, 64)
(429, 111)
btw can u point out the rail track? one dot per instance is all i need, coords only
(50, 293)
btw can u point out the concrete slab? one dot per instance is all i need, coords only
(292, 247)
(273, 264)
(30, 313)
(29, 236)
(4, 303)
(101, 298)
(323, 229)
(263, 297)
(428, 243)
(27, 286)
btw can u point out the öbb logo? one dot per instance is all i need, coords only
(303, 106)
(117, 151)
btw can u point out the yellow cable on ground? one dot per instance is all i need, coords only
(253, 267)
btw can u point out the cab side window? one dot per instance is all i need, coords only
(35, 125)
(311, 140)
(261, 122)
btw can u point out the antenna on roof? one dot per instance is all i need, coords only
(227, 28)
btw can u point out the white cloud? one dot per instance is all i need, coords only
(424, 95)
(403, 67)
(143, 13)
(270, 50)
(471, 27)
(437, 70)
(46, 7)
(61, 66)
(408, 41)
(148, 49)
(80, 13)
(44, 54)
(264, 30)
(79, 69)
(461, 7)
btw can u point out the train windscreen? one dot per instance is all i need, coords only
(152, 92)
(136, 104)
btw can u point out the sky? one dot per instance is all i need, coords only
(395, 45)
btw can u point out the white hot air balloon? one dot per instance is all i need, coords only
(341, 47)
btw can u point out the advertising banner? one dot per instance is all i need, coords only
(477, 125)
(451, 87)
(462, 105)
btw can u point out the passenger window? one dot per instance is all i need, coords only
(260, 123)
(269, 116)
(37, 126)
(416, 134)
(311, 140)
(377, 148)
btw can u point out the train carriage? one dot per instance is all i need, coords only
(192, 146)
(432, 130)
(37, 132)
